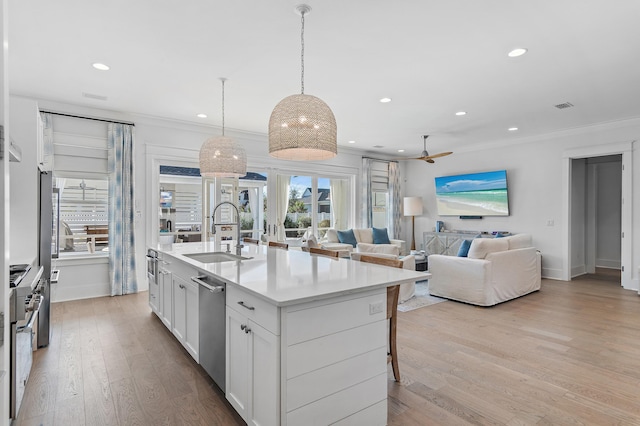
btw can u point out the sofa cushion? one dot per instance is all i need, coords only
(347, 237)
(332, 236)
(519, 241)
(390, 249)
(380, 236)
(480, 247)
(463, 251)
(364, 235)
(311, 242)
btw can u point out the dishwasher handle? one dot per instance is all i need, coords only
(211, 288)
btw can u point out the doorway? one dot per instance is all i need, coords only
(577, 223)
(596, 220)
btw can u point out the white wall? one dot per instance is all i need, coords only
(608, 225)
(4, 214)
(579, 217)
(24, 204)
(535, 175)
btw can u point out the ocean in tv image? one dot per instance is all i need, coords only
(474, 194)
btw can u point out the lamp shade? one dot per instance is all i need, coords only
(221, 156)
(302, 127)
(412, 206)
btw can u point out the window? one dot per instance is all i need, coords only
(327, 197)
(83, 219)
(180, 209)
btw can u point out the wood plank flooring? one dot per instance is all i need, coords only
(568, 354)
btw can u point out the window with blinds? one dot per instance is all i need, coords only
(84, 213)
(188, 209)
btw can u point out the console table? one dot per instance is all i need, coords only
(447, 243)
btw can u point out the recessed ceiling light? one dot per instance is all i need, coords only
(461, 113)
(401, 150)
(517, 52)
(101, 67)
(352, 141)
(201, 115)
(385, 100)
(513, 129)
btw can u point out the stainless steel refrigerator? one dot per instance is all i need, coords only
(48, 244)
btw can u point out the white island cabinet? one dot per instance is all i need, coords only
(175, 301)
(252, 361)
(305, 335)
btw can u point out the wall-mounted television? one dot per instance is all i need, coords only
(473, 194)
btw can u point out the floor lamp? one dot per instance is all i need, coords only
(413, 208)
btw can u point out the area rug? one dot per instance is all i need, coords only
(421, 298)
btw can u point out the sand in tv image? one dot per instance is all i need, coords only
(474, 194)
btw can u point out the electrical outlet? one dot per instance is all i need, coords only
(375, 308)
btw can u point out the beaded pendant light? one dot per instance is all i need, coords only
(302, 127)
(221, 156)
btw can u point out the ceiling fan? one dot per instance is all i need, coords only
(425, 155)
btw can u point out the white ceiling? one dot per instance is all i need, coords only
(432, 58)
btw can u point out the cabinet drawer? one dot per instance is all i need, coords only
(258, 310)
(316, 320)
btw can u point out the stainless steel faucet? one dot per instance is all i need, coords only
(213, 221)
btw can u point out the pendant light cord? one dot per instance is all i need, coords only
(302, 54)
(223, 80)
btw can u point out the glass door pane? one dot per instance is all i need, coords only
(252, 203)
(380, 214)
(215, 192)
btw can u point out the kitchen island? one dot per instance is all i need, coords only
(305, 335)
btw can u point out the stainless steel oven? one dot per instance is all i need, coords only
(25, 302)
(152, 266)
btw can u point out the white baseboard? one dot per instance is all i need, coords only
(552, 274)
(608, 263)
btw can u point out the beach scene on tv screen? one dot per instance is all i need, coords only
(474, 194)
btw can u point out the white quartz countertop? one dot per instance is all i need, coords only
(287, 277)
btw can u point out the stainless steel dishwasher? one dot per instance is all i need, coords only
(212, 305)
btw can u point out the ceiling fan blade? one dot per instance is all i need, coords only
(429, 160)
(409, 158)
(442, 154)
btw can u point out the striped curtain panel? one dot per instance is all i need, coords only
(395, 210)
(122, 262)
(367, 207)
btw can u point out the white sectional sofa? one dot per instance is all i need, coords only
(496, 270)
(363, 235)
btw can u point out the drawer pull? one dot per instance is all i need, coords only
(251, 308)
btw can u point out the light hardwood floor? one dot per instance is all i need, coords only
(568, 354)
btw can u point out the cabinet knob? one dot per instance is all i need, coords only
(181, 286)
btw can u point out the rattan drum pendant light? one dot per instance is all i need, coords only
(221, 156)
(302, 127)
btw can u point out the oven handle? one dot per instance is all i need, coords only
(29, 325)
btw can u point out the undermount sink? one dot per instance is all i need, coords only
(215, 257)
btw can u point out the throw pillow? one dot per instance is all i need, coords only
(347, 237)
(480, 247)
(463, 251)
(312, 242)
(380, 236)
